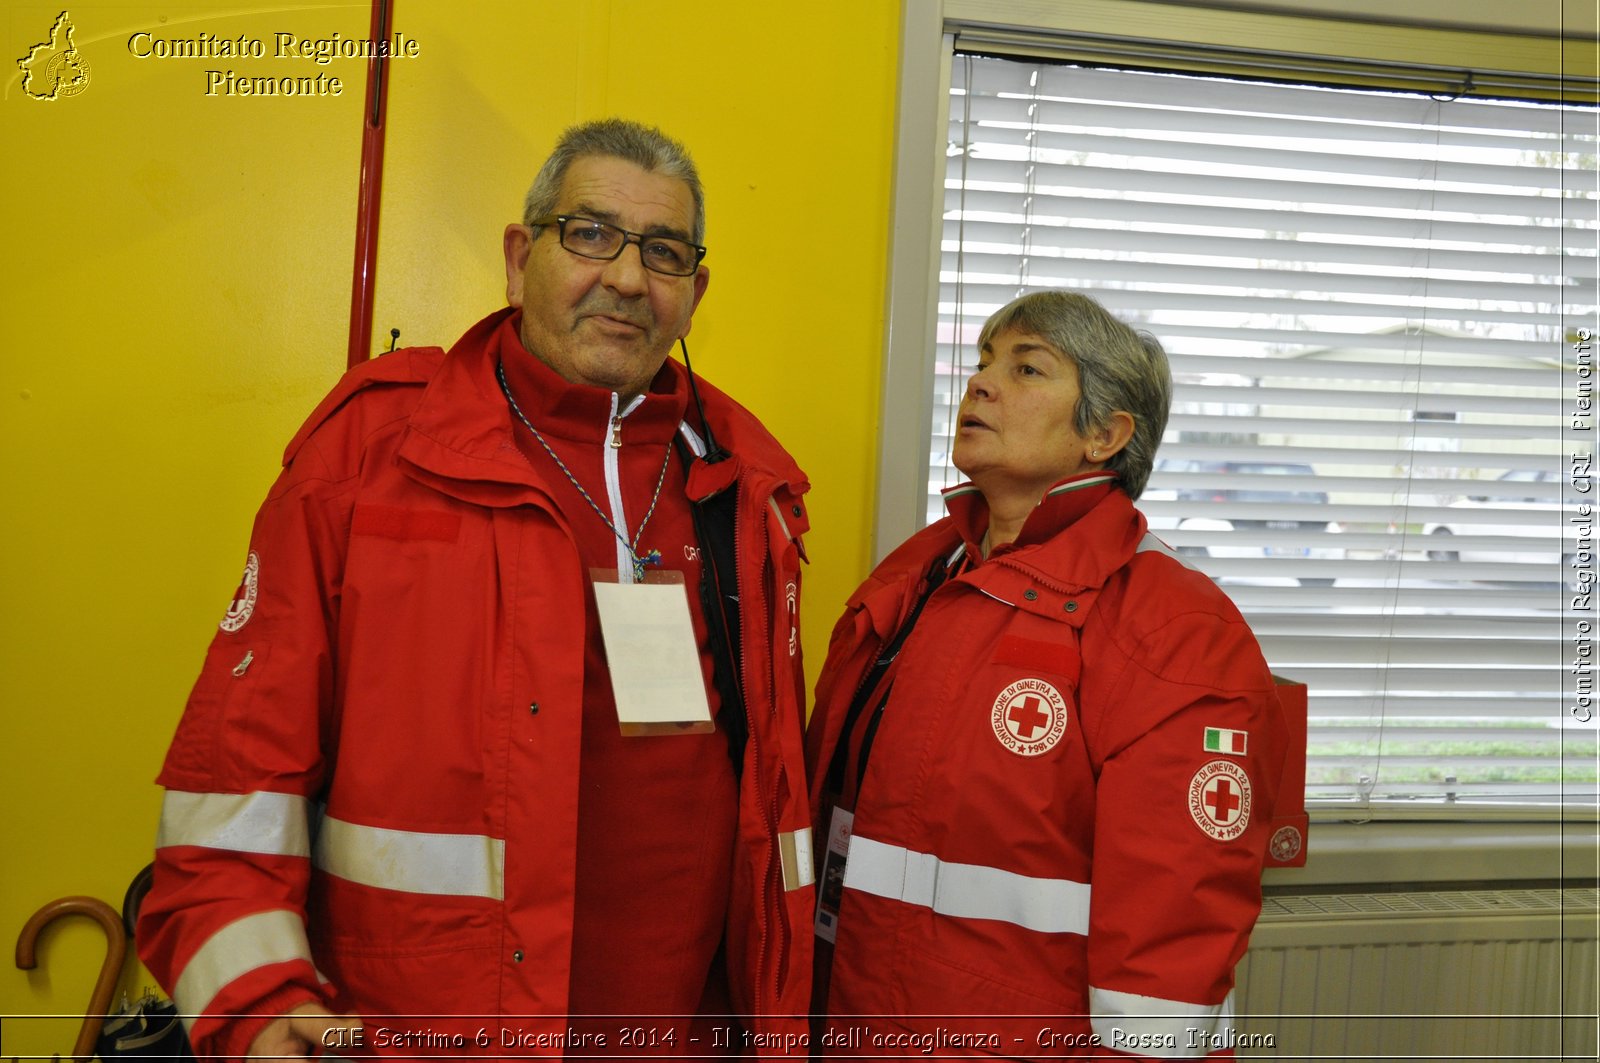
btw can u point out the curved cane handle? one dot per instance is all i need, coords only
(110, 968)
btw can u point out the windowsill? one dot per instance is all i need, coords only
(1563, 849)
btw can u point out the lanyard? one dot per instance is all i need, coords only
(837, 800)
(867, 691)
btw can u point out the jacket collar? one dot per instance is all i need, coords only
(460, 438)
(563, 410)
(1081, 533)
(1062, 505)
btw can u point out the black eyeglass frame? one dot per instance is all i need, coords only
(638, 239)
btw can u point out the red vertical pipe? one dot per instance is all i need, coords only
(371, 191)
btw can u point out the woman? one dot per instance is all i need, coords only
(1044, 750)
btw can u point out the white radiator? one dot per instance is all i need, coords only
(1469, 974)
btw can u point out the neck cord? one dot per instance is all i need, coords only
(868, 696)
(654, 556)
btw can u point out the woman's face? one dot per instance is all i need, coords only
(1014, 432)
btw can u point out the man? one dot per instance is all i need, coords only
(416, 801)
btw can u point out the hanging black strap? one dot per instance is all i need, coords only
(719, 603)
(834, 783)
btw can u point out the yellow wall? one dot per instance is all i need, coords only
(175, 298)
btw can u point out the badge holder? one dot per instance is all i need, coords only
(651, 654)
(830, 887)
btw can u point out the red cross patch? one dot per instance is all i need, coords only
(1219, 799)
(244, 599)
(1029, 717)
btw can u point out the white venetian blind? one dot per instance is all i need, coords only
(1376, 307)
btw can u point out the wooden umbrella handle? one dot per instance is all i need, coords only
(110, 968)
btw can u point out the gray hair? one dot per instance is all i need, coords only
(644, 146)
(1118, 369)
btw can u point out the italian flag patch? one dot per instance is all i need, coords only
(1221, 740)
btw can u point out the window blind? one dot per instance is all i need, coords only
(1377, 307)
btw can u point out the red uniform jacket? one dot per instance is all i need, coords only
(372, 795)
(1061, 827)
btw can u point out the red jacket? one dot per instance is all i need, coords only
(1046, 826)
(367, 805)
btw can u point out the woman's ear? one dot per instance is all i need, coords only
(1111, 437)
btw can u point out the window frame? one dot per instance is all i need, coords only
(929, 34)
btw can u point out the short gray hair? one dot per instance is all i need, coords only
(645, 146)
(1118, 369)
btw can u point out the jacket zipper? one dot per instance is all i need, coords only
(754, 597)
(611, 461)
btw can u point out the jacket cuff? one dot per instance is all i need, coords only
(232, 1036)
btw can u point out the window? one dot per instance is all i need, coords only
(1379, 308)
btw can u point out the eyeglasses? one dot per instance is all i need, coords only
(595, 239)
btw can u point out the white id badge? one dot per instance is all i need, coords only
(830, 890)
(651, 654)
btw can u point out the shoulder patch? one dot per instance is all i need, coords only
(1219, 800)
(1224, 740)
(243, 605)
(1286, 844)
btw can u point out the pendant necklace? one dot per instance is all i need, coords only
(639, 563)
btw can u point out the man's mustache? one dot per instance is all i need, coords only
(634, 313)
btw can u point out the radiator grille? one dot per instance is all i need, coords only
(1572, 902)
(1468, 974)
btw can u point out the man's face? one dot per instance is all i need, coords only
(606, 324)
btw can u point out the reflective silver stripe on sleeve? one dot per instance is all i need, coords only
(794, 850)
(274, 824)
(462, 865)
(234, 951)
(967, 891)
(1187, 1031)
